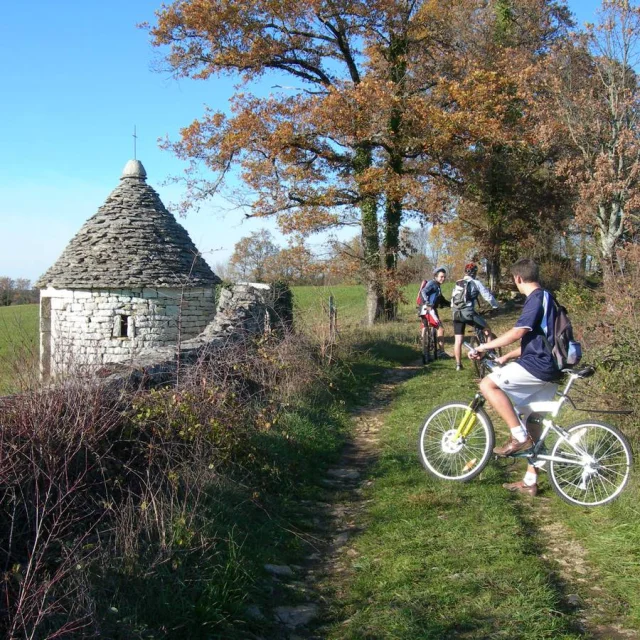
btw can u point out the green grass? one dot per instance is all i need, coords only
(440, 560)
(312, 303)
(255, 518)
(18, 345)
(444, 560)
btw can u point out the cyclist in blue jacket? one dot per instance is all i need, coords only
(432, 298)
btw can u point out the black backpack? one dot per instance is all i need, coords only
(566, 351)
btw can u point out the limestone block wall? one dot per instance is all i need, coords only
(94, 327)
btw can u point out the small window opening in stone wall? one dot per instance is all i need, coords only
(124, 323)
(123, 327)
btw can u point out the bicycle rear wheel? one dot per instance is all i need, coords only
(477, 364)
(447, 458)
(599, 476)
(480, 366)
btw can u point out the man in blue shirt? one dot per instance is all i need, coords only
(530, 378)
(432, 298)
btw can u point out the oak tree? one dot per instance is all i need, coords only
(507, 192)
(357, 139)
(595, 105)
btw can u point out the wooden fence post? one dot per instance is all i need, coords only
(333, 320)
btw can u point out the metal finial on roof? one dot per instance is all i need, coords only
(135, 140)
(134, 169)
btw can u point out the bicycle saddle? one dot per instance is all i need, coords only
(586, 372)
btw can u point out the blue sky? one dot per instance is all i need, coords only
(74, 79)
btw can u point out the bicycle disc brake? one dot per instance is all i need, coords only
(451, 444)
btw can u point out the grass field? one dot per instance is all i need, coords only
(312, 303)
(18, 345)
(444, 560)
(440, 560)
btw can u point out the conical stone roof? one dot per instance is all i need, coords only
(131, 242)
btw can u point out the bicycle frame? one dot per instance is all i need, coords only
(551, 408)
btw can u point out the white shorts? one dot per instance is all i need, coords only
(522, 387)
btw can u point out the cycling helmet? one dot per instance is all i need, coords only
(471, 269)
(438, 270)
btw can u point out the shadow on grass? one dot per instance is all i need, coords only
(390, 351)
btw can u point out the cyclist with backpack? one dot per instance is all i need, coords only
(463, 302)
(531, 371)
(429, 299)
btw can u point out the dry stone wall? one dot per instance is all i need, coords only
(89, 327)
(244, 310)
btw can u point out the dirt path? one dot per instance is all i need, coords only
(302, 595)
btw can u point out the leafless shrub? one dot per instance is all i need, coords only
(98, 484)
(53, 449)
(608, 324)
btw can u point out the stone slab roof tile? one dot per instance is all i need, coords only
(132, 241)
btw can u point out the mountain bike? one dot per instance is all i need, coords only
(589, 463)
(480, 336)
(429, 339)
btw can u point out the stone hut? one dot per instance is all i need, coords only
(131, 279)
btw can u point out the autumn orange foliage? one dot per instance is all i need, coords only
(382, 111)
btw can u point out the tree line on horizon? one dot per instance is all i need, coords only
(16, 291)
(501, 121)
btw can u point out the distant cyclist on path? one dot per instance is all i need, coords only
(463, 303)
(432, 298)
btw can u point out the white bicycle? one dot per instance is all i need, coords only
(589, 463)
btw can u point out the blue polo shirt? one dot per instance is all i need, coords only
(538, 315)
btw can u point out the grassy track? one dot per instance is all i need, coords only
(444, 560)
(18, 344)
(448, 560)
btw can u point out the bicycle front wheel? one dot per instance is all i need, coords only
(425, 345)
(598, 463)
(447, 457)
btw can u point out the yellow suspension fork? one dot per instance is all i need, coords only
(469, 418)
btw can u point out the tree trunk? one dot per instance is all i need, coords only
(375, 302)
(370, 243)
(610, 220)
(493, 269)
(494, 275)
(392, 217)
(371, 248)
(583, 253)
(393, 206)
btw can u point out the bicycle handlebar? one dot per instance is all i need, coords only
(491, 356)
(486, 354)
